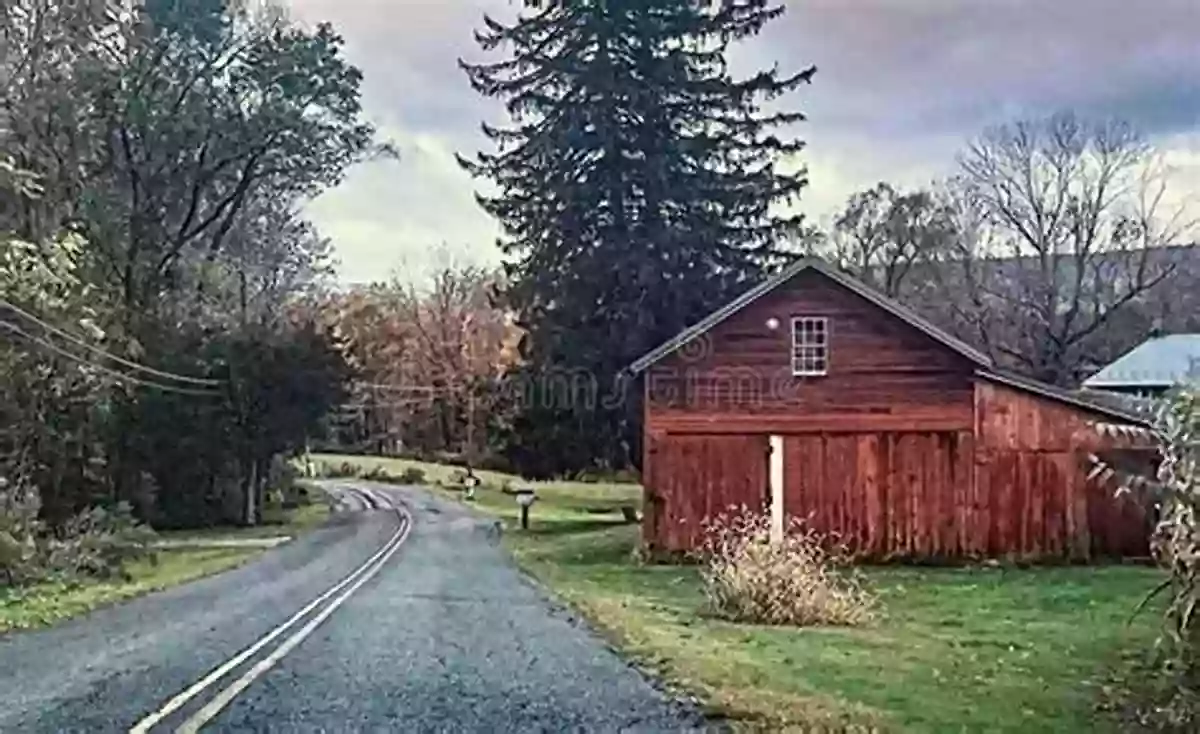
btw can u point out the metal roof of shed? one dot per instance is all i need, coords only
(1158, 362)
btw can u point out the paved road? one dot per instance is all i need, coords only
(442, 634)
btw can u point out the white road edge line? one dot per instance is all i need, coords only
(180, 700)
(223, 699)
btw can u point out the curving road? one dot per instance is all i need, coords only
(401, 614)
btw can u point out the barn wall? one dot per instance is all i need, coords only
(900, 450)
(1032, 482)
(695, 478)
(883, 373)
(885, 495)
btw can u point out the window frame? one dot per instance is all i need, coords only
(820, 353)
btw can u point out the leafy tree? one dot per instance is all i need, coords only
(639, 186)
(430, 356)
(213, 108)
(158, 157)
(886, 236)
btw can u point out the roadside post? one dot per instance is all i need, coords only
(470, 482)
(525, 499)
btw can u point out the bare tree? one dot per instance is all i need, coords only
(1062, 222)
(883, 235)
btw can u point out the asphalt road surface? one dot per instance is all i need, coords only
(402, 614)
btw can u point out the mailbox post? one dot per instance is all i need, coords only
(525, 499)
(470, 482)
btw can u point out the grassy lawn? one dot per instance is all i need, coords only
(979, 650)
(45, 604)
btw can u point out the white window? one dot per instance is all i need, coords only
(810, 346)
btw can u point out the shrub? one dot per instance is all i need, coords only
(281, 479)
(98, 542)
(412, 475)
(20, 530)
(1173, 483)
(797, 580)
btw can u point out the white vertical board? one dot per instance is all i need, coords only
(776, 479)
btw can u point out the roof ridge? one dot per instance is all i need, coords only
(810, 262)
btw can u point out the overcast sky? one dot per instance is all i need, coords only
(901, 84)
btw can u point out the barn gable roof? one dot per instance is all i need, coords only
(985, 368)
(817, 265)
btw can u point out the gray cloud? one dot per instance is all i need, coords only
(901, 84)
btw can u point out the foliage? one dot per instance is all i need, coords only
(629, 210)
(429, 357)
(883, 235)
(282, 382)
(96, 543)
(99, 543)
(1175, 488)
(797, 579)
(412, 475)
(20, 530)
(153, 164)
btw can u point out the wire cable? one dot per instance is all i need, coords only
(106, 354)
(11, 327)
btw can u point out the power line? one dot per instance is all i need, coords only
(8, 325)
(108, 355)
(396, 388)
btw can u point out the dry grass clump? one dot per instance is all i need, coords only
(799, 580)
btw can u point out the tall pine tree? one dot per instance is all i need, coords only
(639, 187)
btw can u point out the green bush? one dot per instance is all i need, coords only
(281, 480)
(20, 530)
(412, 475)
(97, 542)
(1173, 484)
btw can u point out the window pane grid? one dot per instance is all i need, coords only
(810, 345)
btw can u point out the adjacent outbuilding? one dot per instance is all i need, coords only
(813, 396)
(1152, 368)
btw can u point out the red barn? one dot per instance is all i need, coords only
(814, 396)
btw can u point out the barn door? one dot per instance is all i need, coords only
(699, 477)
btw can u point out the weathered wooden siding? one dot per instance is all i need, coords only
(699, 477)
(883, 374)
(885, 495)
(901, 450)
(1032, 480)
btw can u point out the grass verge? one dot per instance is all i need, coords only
(981, 650)
(45, 604)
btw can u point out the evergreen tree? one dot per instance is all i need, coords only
(638, 189)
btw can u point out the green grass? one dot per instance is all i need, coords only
(48, 603)
(45, 604)
(979, 650)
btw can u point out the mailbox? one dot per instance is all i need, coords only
(525, 499)
(470, 482)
